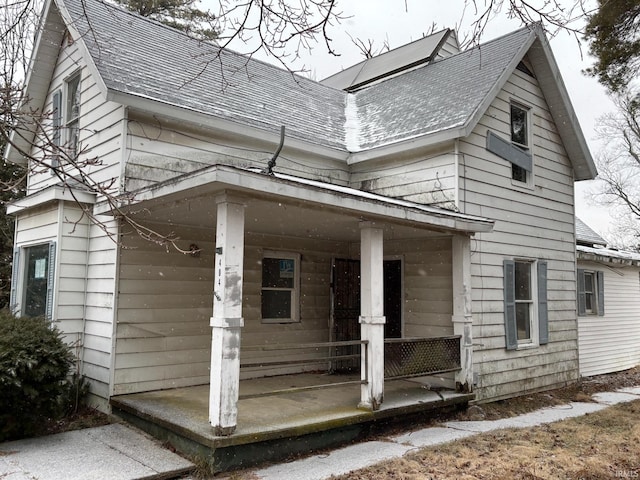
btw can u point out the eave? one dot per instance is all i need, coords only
(50, 194)
(218, 178)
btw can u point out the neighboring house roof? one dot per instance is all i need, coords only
(586, 236)
(608, 255)
(141, 63)
(591, 247)
(388, 63)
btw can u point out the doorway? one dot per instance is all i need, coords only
(346, 307)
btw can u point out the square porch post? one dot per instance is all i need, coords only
(372, 318)
(462, 318)
(227, 320)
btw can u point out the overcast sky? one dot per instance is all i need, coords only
(389, 21)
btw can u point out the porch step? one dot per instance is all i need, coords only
(275, 427)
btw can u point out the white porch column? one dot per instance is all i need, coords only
(227, 316)
(462, 319)
(372, 314)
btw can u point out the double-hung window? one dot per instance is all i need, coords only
(280, 295)
(590, 292)
(72, 114)
(525, 302)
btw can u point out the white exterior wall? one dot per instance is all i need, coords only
(159, 150)
(166, 301)
(611, 343)
(86, 256)
(534, 222)
(101, 122)
(427, 179)
(428, 289)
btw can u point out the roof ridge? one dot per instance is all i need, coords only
(532, 27)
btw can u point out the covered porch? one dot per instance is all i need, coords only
(277, 426)
(270, 246)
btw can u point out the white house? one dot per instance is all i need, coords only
(426, 194)
(608, 305)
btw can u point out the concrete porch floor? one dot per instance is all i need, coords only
(274, 426)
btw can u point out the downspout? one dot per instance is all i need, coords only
(456, 186)
(272, 162)
(84, 303)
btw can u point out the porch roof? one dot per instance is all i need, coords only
(327, 202)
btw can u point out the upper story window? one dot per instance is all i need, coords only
(72, 113)
(516, 148)
(520, 138)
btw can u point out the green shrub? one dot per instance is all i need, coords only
(34, 365)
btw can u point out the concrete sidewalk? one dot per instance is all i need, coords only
(114, 452)
(118, 452)
(353, 457)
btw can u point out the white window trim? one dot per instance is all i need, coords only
(69, 121)
(529, 147)
(19, 275)
(295, 295)
(534, 340)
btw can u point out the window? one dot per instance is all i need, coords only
(590, 292)
(520, 138)
(525, 299)
(56, 138)
(72, 115)
(280, 287)
(32, 286)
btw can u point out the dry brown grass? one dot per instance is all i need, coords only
(599, 446)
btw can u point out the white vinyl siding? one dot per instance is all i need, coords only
(100, 123)
(429, 179)
(165, 303)
(158, 151)
(611, 342)
(534, 223)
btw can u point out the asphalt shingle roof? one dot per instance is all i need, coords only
(585, 235)
(436, 97)
(137, 56)
(143, 58)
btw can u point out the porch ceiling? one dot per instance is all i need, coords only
(285, 205)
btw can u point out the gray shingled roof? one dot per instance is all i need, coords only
(586, 236)
(439, 96)
(137, 56)
(140, 57)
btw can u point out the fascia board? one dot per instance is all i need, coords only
(84, 51)
(406, 146)
(47, 38)
(491, 95)
(576, 145)
(149, 105)
(50, 194)
(259, 184)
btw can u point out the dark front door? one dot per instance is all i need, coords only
(393, 298)
(346, 306)
(346, 311)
